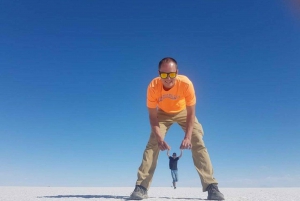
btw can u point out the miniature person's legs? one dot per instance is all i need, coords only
(174, 174)
(199, 152)
(150, 156)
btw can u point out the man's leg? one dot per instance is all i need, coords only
(202, 160)
(150, 156)
(199, 152)
(148, 165)
(176, 175)
(173, 178)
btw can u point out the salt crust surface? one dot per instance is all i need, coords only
(155, 194)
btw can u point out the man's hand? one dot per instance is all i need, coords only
(162, 145)
(186, 144)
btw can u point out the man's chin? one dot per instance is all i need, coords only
(168, 86)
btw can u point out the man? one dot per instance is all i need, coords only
(173, 166)
(171, 99)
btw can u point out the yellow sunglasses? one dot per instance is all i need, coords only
(165, 75)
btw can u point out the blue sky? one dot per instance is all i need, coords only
(73, 79)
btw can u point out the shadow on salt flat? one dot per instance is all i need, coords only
(86, 196)
(111, 197)
(172, 198)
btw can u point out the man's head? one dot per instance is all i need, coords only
(167, 69)
(174, 155)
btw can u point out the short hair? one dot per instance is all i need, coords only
(167, 60)
(174, 154)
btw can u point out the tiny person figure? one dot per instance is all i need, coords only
(173, 166)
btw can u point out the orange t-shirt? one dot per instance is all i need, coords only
(176, 99)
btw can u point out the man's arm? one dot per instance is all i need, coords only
(168, 153)
(155, 129)
(180, 153)
(190, 120)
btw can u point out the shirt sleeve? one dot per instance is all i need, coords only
(190, 96)
(151, 97)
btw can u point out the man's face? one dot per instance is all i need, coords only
(174, 156)
(168, 68)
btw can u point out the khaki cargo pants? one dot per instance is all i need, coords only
(199, 153)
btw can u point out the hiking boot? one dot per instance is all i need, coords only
(139, 193)
(214, 193)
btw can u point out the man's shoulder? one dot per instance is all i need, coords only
(184, 79)
(155, 82)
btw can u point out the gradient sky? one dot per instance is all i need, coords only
(73, 79)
